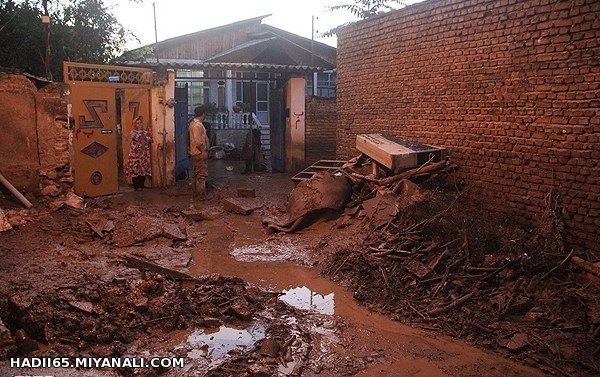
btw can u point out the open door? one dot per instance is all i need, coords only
(277, 129)
(181, 133)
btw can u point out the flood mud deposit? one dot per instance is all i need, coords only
(145, 274)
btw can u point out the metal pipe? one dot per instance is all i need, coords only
(155, 33)
(26, 203)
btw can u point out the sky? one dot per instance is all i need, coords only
(178, 17)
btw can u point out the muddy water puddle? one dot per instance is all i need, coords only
(242, 250)
(306, 299)
(265, 252)
(217, 343)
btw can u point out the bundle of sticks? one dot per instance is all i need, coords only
(362, 170)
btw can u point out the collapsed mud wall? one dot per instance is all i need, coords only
(19, 157)
(34, 135)
(511, 88)
(321, 122)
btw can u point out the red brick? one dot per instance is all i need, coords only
(515, 101)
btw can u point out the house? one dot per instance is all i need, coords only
(245, 72)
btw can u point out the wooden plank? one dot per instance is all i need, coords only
(144, 265)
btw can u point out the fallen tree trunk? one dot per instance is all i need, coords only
(26, 203)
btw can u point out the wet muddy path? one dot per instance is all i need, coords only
(239, 247)
(331, 333)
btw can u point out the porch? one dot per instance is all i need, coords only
(245, 97)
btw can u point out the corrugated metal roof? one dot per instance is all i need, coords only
(197, 64)
(240, 47)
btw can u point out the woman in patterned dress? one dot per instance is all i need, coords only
(138, 165)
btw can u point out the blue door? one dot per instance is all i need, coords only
(181, 133)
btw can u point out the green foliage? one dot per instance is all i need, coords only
(210, 108)
(363, 9)
(21, 37)
(80, 30)
(138, 55)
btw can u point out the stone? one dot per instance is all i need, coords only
(56, 204)
(240, 206)
(173, 232)
(246, 193)
(5, 337)
(210, 322)
(197, 215)
(16, 220)
(239, 311)
(518, 342)
(109, 226)
(21, 302)
(84, 306)
(26, 345)
(51, 190)
(49, 173)
(4, 223)
(74, 201)
(269, 347)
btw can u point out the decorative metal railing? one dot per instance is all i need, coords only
(78, 72)
(226, 120)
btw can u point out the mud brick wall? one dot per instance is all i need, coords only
(18, 135)
(510, 87)
(34, 135)
(321, 126)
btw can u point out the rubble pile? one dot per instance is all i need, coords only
(432, 257)
(102, 318)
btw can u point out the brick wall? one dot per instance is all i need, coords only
(321, 122)
(510, 87)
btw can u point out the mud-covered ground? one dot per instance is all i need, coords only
(143, 274)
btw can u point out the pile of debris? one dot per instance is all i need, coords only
(434, 258)
(327, 189)
(101, 318)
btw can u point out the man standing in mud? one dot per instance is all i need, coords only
(198, 153)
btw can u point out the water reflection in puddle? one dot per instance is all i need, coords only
(266, 252)
(218, 344)
(304, 298)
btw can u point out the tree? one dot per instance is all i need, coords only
(363, 9)
(81, 30)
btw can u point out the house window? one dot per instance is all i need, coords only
(252, 89)
(198, 94)
(326, 84)
(262, 101)
(189, 73)
(221, 95)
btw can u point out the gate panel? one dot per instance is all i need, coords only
(94, 140)
(93, 106)
(135, 102)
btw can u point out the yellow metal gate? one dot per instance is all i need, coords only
(94, 115)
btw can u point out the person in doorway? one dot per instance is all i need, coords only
(198, 153)
(251, 151)
(139, 165)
